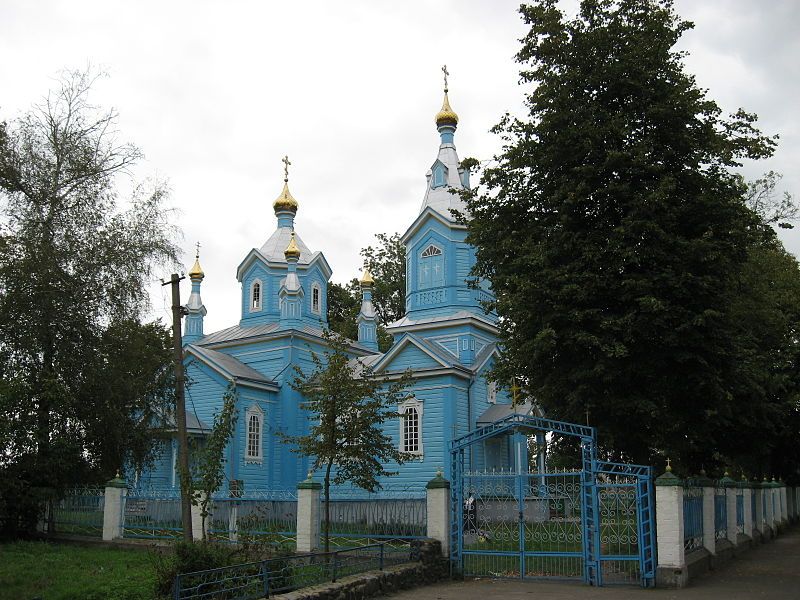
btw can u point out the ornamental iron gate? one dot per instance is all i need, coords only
(593, 523)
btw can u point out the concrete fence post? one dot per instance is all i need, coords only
(730, 507)
(761, 515)
(709, 511)
(113, 507)
(784, 504)
(747, 497)
(308, 513)
(769, 512)
(672, 571)
(198, 528)
(438, 505)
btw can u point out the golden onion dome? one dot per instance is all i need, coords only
(446, 116)
(285, 201)
(292, 250)
(196, 272)
(366, 279)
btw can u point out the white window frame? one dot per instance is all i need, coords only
(251, 303)
(415, 404)
(316, 287)
(256, 412)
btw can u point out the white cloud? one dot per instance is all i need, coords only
(215, 93)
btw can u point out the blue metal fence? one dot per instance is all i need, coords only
(692, 518)
(266, 578)
(79, 512)
(720, 514)
(394, 515)
(266, 516)
(152, 513)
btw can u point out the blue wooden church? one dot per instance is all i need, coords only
(446, 338)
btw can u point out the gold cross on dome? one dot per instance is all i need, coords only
(446, 73)
(286, 163)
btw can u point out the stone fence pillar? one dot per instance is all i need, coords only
(672, 571)
(761, 515)
(769, 512)
(748, 508)
(113, 507)
(730, 507)
(709, 511)
(784, 504)
(199, 529)
(438, 505)
(308, 511)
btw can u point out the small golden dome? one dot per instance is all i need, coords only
(292, 250)
(446, 116)
(366, 279)
(285, 201)
(196, 271)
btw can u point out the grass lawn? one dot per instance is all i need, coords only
(48, 571)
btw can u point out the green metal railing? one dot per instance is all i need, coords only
(266, 578)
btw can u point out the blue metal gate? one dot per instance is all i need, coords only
(594, 522)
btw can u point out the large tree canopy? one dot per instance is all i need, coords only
(81, 374)
(621, 249)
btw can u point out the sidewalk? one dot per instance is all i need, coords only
(770, 572)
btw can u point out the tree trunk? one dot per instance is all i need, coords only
(328, 507)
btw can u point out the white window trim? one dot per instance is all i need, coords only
(260, 293)
(416, 404)
(256, 411)
(431, 250)
(491, 392)
(318, 287)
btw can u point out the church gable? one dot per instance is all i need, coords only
(410, 353)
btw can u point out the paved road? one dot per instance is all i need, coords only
(770, 572)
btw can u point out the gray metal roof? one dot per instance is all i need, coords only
(193, 424)
(406, 321)
(275, 246)
(496, 412)
(442, 199)
(229, 364)
(239, 333)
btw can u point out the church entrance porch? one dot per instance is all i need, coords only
(594, 522)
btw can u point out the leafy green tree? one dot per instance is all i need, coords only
(209, 456)
(773, 209)
(615, 232)
(347, 404)
(74, 266)
(387, 263)
(344, 302)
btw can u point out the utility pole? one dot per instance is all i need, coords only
(180, 407)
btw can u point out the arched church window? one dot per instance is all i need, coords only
(316, 298)
(411, 427)
(431, 267)
(255, 428)
(256, 294)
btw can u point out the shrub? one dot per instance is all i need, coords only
(187, 557)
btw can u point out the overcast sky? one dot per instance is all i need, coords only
(215, 93)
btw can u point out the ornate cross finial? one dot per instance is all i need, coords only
(669, 465)
(446, 73)
(197, 252)
(286, 163)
